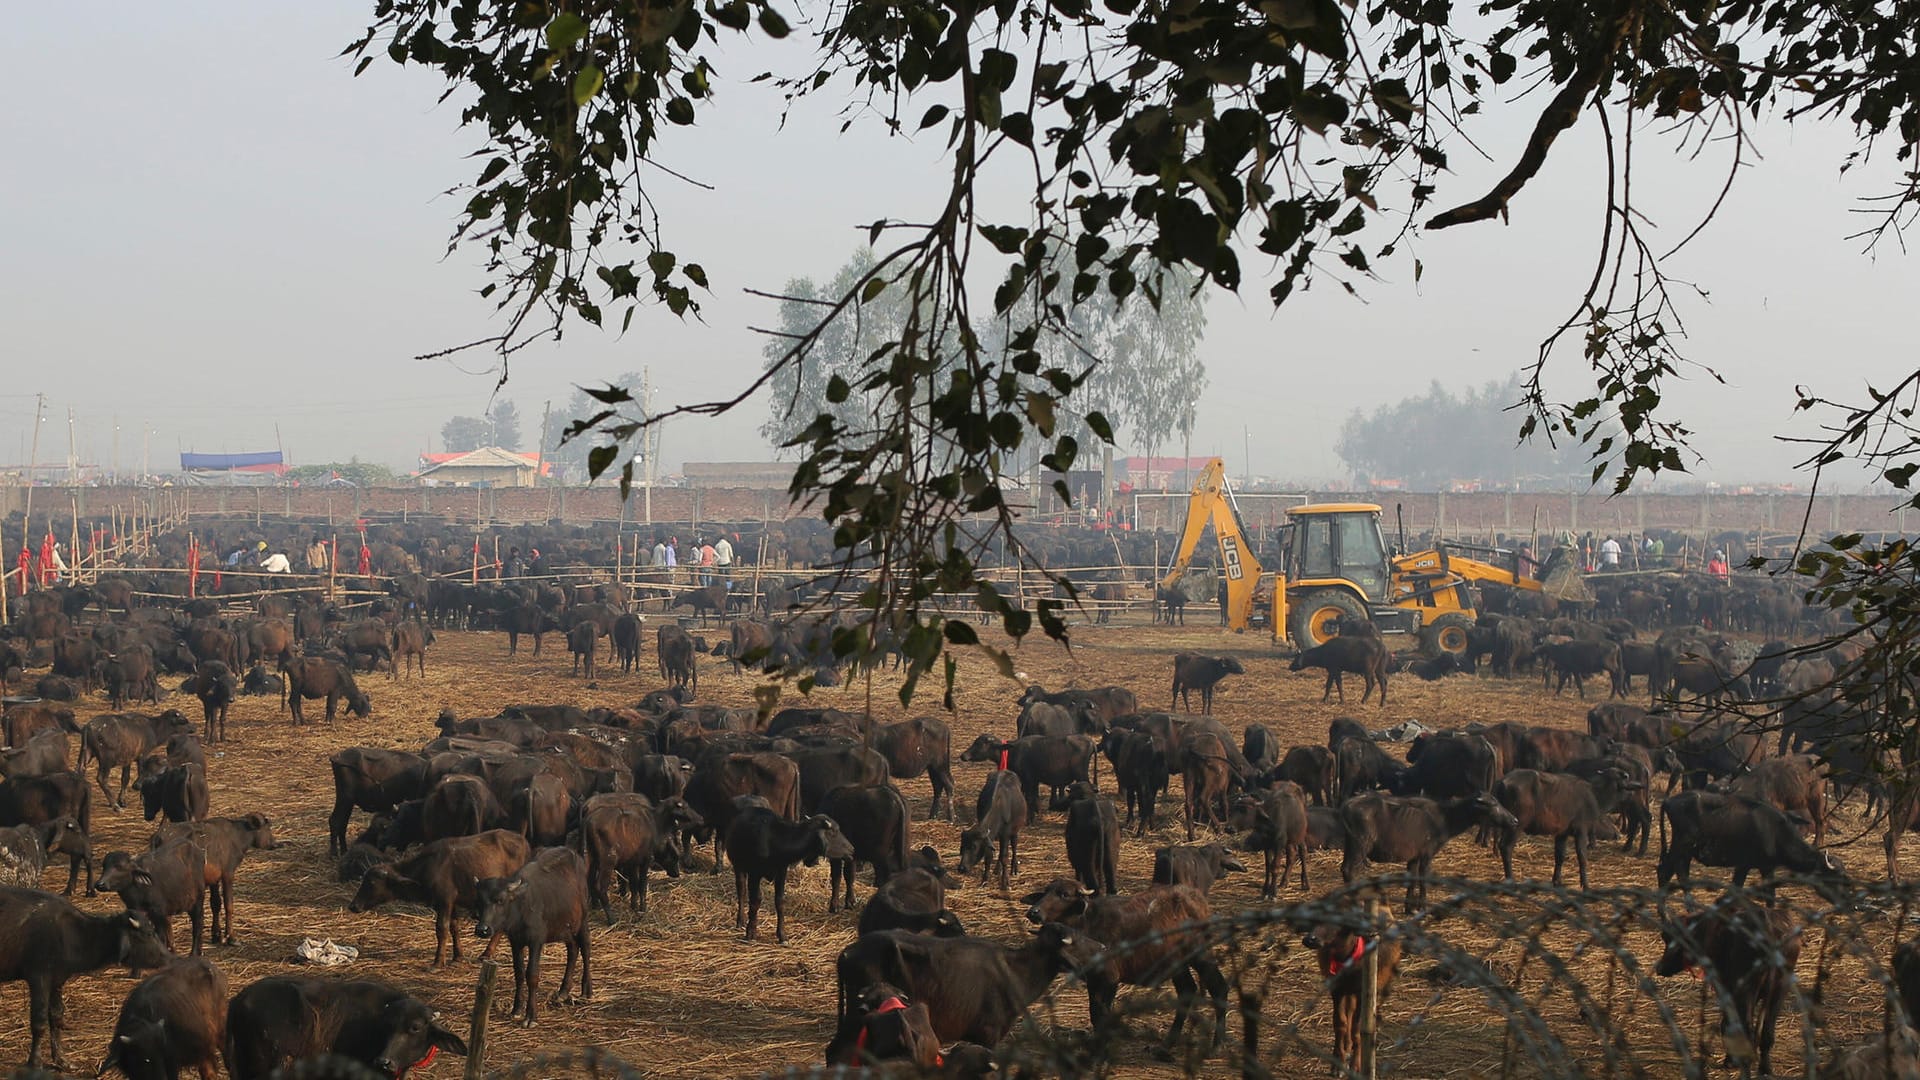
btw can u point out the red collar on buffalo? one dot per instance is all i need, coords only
(1338, 965)
(432, 1052)
(892, 1004)
(1003, 757)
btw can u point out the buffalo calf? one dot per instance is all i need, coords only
(176, 1019)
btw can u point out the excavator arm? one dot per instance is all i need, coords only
(1212, 504)
(1445, 562)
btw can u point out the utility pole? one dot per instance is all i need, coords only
(146, 445)
(33, 456)
(540, 451)
(73, 459)
(649, 440)
(116, 449)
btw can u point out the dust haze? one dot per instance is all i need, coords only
(247, 254)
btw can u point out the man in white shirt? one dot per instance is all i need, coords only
(723, 554)
(1610, 554)
(276, 563)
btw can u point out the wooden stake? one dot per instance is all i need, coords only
(1370, 994)
(475, 1067)
(754, 600)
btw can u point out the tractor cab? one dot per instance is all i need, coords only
(1339, 541)
(1337, 567)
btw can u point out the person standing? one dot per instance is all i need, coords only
(317, 556)
(659, 552)
(1610, 554)
(1717, 566)
(708, 559)
(723, 556)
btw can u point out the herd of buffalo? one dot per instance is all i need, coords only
(537, 820)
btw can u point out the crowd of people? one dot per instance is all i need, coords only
(1609, 554)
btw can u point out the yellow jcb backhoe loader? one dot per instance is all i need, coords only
(1336, 565)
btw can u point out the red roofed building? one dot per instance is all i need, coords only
(488, 466)
(1159, 473)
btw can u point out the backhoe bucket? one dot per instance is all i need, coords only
(1561, 578)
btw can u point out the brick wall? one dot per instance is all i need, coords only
(514, 505)
(1473, 514)
(1489, 513)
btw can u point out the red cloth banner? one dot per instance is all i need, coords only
(46, 560)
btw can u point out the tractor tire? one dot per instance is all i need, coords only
(1448, 634)
(1315, 616)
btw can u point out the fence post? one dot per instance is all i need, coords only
(477, 1026)
(1370, 993)
(1250, 1068)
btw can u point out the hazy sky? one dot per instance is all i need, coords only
(210, 229)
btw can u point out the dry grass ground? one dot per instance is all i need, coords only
(679, 994)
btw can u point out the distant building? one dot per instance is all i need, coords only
(1159, 473)
(738, 474)
(488, 466)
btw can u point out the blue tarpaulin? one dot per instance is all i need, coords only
(268, 460)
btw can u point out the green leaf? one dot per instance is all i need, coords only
(1097, 423)
(773, 23)
(933, 116)
(1018, 127)
(586, 83)
(1006, 238)
(611, 395)
(599, 458)
(680, 111)
(1286, 223)
(1040, 413)
(565, 29)
(874, 287)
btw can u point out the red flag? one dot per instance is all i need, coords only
(26, 566)
(46, 560)
(476, 560)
